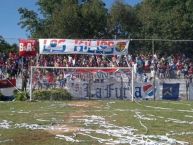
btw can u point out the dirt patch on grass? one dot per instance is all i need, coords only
(68, 126)
(85, 104)
(68, 118)
(61, 129)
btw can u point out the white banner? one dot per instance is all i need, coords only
(191, 91)
(99, 90)
(144, 90)
(75, 46)
(109, 89)
(7, 91)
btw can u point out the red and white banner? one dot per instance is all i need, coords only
(27, 47)
(76, 46)
(99, 84)
(96, 70)
(8, 83)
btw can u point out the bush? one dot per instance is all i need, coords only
(53, 94)
(21, 95)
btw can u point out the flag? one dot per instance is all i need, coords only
(7, 88)
(27, 47)
(144, 90)
(8, 83)
(148, 90)
(170, 91)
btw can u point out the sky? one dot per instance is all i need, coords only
(9, 17)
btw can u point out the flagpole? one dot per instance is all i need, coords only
(154, 86)
(31, 83)
(22, 73)
(132, 83)
(153, 51)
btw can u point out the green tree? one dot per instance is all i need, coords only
(122, 21)
(93, 18)
(167, 19)
(5, 47)
(65, 19)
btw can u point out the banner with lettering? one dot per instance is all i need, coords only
(8, 83)
(75, 46)
(27, 47)
(109, 88)
(98, 89)
(190, 89)
(170, 91)
(7, 88)
(97, 70)
(99, 83)
(144, 90)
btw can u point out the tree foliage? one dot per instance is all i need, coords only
(65, 19)
(152, 19)
(122, 20)
(5, 47)
(167, 19)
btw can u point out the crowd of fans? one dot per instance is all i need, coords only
(173, 66)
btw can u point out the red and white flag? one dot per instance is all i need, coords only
(27, 47)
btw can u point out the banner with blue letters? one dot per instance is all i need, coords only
(100, 84)
(107, 84)
(170, 91)
(109, 90)
(76, 46)
(144, 90)
(99, 90)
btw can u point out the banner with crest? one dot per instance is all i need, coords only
(76, 46)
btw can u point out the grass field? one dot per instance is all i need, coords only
(96, 122)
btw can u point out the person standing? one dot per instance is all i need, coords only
(24, 81)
